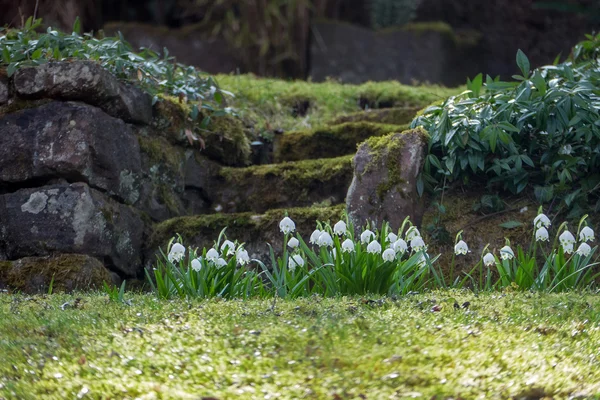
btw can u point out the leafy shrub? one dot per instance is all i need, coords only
(539, 131)
(157, 75)
(388, 13)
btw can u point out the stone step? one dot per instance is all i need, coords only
(328, 142)
(392, 115)
(289, 184)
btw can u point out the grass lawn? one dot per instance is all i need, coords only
(495, 346)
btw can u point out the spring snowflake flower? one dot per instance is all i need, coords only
(339, 228)
(177, 253)
(287, 225)
(196, 264)
(293, 243)
(566, 150)
(212, 255)
(374, 247)
(366, 236)
(541, 220)
(348, 246)
(417, 243)
(422, 261)
(586, 234)
(541, 235)
(324, 240)
(568, 247)
(294, 261)
(229, 246)
(220, 263)
(391, 237)
(566, 238)
(461, 248)
(389, 255)
(400, 246)
(412, 233)
(242, 257)
(584, 249)
(506, 253)
(315, 236)
(489, 259)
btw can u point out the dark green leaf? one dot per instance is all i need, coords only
(523, 63)
(510, 224)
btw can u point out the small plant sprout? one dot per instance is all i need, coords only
(489, 259)
(314, 237)
(541, 221)
(196, 265)
(586, 234)
(325, 239)
(389, 255)
(339, 228)
(287, 225)
(242, 257)
(412, 233)
(212, 255)
(228, 248)
(293, 243)
(374, 247)
(584, 250)
(348, 246)
(366, 236)
(417, 244)
(177, 253)
(461, 248)
(506, 253)
(391, 237)
(541, 234)
(294, 261)
(400, 246)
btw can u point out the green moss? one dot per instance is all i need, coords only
(18, 104)
(394, 115)
(427, 27)
(331, 141)
(161, 152)
(167, 197)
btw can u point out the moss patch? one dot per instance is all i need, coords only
(160, 151)
(395, 115)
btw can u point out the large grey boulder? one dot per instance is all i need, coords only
(73, 141)
(384, 186)
(84, 81)
(65, 218)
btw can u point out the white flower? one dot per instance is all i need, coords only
(489, 259)
(374, 247)
(212, 255)
(461, 248)
(391, 237)
(586, 234)
(339, 228)
(228, 244)
(177, 253)
(315, 236)
(221, 263)
(400, 246)
(324, 239)
(293, 243)
(196, 265)
(506, 253)
(366, 236)
(417, 243)
(542, 234)
(584, 249)
(422, 261)
(294, 261)
(565, 150)
(389, 255)
(242, 257)
(568, 247)
(412, 233)
(287, 225)
(348, 246)
(541, 220)
(566, 238)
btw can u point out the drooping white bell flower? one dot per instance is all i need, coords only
(506, 253)
(242, 257)
(220, 263)
(489, 259)
(461, 248)
(348, 246)
(388, 255)
(366, 236)
(374, 247)
(293, 243)
(212, 255)
(294, 261)
(417, 244)
(229, 247)
(566, 238)
(586, 234)
(541, 235)
(391, 237)
(287, 225)
(196, 264)
(565, 150)
(315, 236)
(541, 221)
(400, 246)
(340, 228)
(584, 249)
(412, 233)
(568, 247)
(177, 253)
(324, 239)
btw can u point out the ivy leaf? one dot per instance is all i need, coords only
(510, 224)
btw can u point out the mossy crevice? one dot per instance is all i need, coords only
(394, 115)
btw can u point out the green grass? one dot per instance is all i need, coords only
(503, 345)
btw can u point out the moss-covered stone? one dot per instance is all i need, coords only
(333, 141)
(17, 104)
(394, 115)
(160, 151)
(297, 183)
(66, 272)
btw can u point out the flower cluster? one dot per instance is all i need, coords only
(217, 256)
